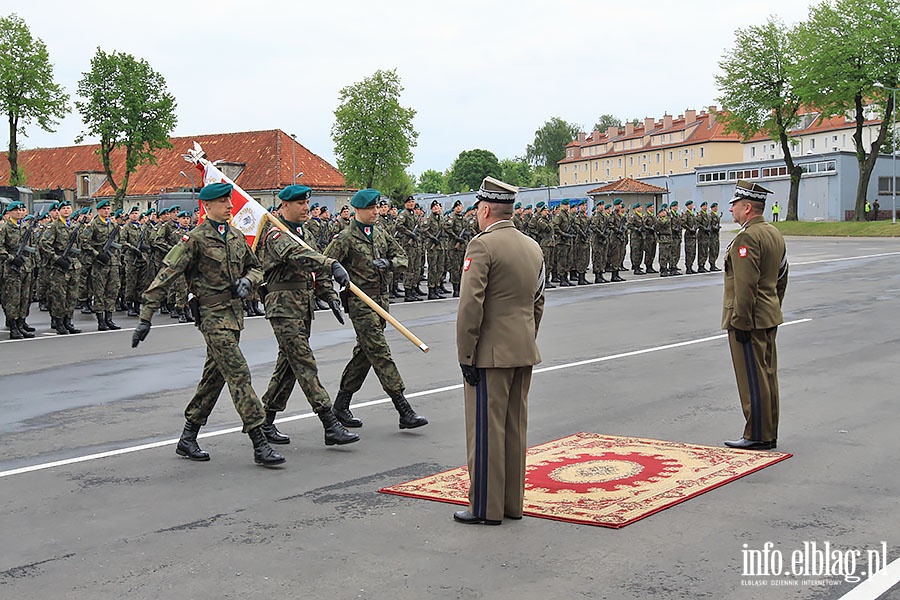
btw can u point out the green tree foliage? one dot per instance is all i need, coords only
(27, 90)
(400, 187)
(845, 46)
(431, 182)
(549, 146)
(516, 171)
(758, 92)
(545, 177)
(373, 135)
(470, 168)
(125, 103)
(606, 121)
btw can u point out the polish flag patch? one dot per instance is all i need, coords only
(467, 263)
(184, 238)
(276, 235)
(742, 251)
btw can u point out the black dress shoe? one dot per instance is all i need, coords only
(745, 444)
(464, 516)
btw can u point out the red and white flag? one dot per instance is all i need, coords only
(248, 215)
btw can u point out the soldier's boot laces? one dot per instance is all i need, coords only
(188, 446)
(262, 451)
(341, 410)
(408, 417)
(271, 431)
(67, 323)
(335, 432)
(101, 322)
(110, 323)
(58, 326)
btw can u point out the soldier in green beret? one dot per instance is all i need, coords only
(15, 284)
(455, 227)
(407, 233)
(618, 228)
(221, 270)
(134, 240)
(101, 250)
(677, 236)
(295, 275)
(366, 252)
(715, 227)
(703, 233)
(60, 246)
(689, 220)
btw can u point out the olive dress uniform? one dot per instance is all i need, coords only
(500, 307)
(756, 276)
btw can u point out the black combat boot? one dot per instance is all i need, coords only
(701, 269)
(335, 433)
(689, 271)
(67, 323)
(120, 304)
(182, 315)
(442, 289)
(58, 327)
(651, 270)
(164, 308)
(411, 296)
(262, 451)
(582, 280)
(638, 271)
(110, 323)
(101, 322)
(87, 307)
(713, 267)
(564, 280)
(186, 313)
(408, 417)
(664, 273)
(548, 285)
(14, 332)
(42, 306)
(455, 290)
(188, 446)
(133, 308)
(432, 294)
(175, 312)
(616, 276)
(598, 278)
(554, 277)
(271, 432)
(419, 290)
(25, 328)
(341, 410)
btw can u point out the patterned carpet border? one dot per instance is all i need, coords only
(606, 480)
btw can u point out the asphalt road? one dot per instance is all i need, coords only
(146, 524)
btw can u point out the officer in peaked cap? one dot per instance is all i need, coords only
(367, 252)
(756, 277)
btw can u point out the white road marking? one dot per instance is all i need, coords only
(440, 390)
(877, 584)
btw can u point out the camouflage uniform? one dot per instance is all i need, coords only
(664, 232)
(616, 252)
(104, 264)
(17, 279)
(433, 230)
(581, 249)
(690, 240)
(212, 262)
(703, 234)
(356, 252)
(564, 241)
(677, 222)
(715, 226)
(636, 231)
(649, 241)
(455, 227)
(408, 237)
(134, 238)
(599, 243)
(64, 271)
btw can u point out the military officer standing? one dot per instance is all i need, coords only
(292, 285)
(715, 227)
(677, 232)
(455, 228)
(15, 249)
(134, 240)
(101, 250)
(663, 227)
(703, 233)
(600, 241)
(60, 245)
(581, 247)
(366, 252)
(434, 231)
(221, 270)
(650, 241)
(500, 308)
(407, 234)
(689, 219)
(756, 277)
(618, 227)
(636, 237)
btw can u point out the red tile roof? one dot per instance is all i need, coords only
(627, 186)
(834, 123)
(268, 155)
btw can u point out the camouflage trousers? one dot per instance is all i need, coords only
(136, 280)
(104, 286)
(84, 282)
(702, 249)
(676, 249)
(413, 273)
(636, 248)
(371, 350)
(454, 264)
(599, 252)
(225, 364)
(581, 256)
(295, 362)
(62, 291)
(549, 258)
(714, 248)
(435, 267)
(616, 253)
(16, 292)
(690, 250)
(665, 253)
(649, 251)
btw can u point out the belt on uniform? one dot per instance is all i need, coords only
(223, 297)
(290, 285)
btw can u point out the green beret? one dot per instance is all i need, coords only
(528, 207)
(618, 202)
(704, 203)
(564, 202)
(134, 209)
(689, 202)
(663, 206)
(27, 218)
(605, 206)
(214, 191)
(295, 192)
(102, 204)
(14, 205)
(43, 216)
(54, 206)
(674, 203)
(540, 205)
(62, 203)
(175, 208)
(517, 205)
(313, 205)
(364, 198)
(151, 211)
(118, 212)
(162, 211)
(635, 205)
(184, 213)
(714, 205)
(649, 205)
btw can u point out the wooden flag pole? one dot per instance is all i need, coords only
(359, 293)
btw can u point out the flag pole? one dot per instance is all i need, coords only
(358, 292)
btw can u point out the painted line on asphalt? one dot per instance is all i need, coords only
(440, 390)
(876, 584)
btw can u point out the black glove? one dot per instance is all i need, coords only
(63, 263)
(16, 262)
(242, 287)
(742, 336)
(382, 263)
(102, 257)
(336, 309)
(140, 333)
(340, 275)
(470, 374)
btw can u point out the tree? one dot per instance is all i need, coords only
(758, 92)
(27, 90)
(544, 177)
(126, 105)
(399, 187)
(373, 135)
(606, 121)
(550, 142)
(845, 47)
(516, 171)
(431, 182)
(470, 168)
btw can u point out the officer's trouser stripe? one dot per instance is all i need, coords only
(480, 477)
(753, 385)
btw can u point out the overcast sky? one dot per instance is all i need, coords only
(480, 74)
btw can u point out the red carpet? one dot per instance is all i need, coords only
(606, 480)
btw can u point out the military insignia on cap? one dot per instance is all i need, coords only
(747, 190)
(494, 190)
(742, 251)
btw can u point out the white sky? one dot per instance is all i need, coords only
(480, 74)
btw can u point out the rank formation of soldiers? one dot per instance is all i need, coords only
(100, 262)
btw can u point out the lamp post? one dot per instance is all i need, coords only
(893, 153)
(294, 156)
(192, 184)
